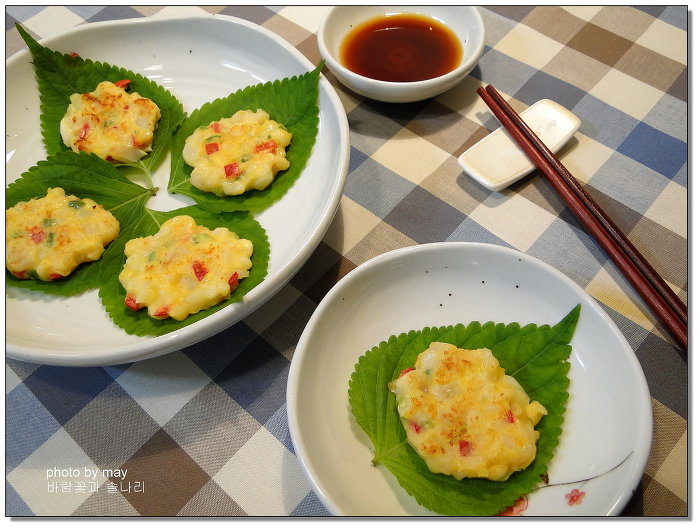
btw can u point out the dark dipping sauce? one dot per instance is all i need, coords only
(401, 48)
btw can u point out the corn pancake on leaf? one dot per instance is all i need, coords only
(536, 356)
(292, 101)
(85, 176)
(60, 75)
(139, 323)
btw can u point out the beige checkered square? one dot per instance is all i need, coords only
(292, 33)
(673, 473)
(576, 68)
(667, 40)
(613, 291)
(447, 183)
(513, 218)
(383, 238)
(528, 46)
(627, 94)
(43, 494)
(583, 12)
(583, 156)
(670, 209)
(553, 21)
(424, 159)
(308, 17)
(626, 21)
(270, 466)
(350, 225)
(465, 102)
(52, 21)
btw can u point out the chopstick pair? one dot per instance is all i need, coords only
(651, 287)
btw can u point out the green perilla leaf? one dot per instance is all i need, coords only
(112, 292)
(88, 176)
(60, 75)
(85, 176)
(536, 356)
(292, 101)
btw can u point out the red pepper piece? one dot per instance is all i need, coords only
(130, 301)
(199, 270)
(123, 83)
(407, 370)
(211, 148)
(21, 274)
(84, 131)
(216, 127)
(74, 55)
(465, 447)
(267, 146)
(162, 312)
(36, 234)
(416, 427)
(136, 143)
(231, 169)
(509, 417)
(53, 277)
(233, 281)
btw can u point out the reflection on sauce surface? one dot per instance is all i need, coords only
(401, 48)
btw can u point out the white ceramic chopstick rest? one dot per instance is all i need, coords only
(497, 161)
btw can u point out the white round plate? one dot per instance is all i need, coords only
(608, 424)
(198, 59)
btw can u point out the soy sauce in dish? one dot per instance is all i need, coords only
(401, 48)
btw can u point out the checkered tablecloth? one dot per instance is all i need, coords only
(203, 431)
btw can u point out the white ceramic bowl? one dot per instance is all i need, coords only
(601, 452)
(212, 57)
(464, 21)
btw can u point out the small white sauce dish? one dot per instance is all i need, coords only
(464, 21)
(497, 161)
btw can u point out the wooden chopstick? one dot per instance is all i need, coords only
(651, 287)
(639, 260)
